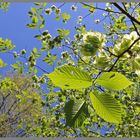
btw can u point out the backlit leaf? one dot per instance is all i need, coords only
(70, 77)
(76, 112)
(106, 107)
(113, 81)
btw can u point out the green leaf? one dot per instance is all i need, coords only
(37, 3)
(65, 16)
(41, 17)
(76, 112)
(63, 32)
(113, 81)
(2, 64)
(42, 24)
(6, 45)
(106, 107)
(70, 77)
(50, 59)
(31, 26)
(84, 6)
(34, 10)
(15, 66)
(34, 20)
(92, 9)
(57, 18)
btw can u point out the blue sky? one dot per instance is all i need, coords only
(13, 27)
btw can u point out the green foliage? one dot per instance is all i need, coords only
(23, 105)
(91, 9)
(4, 6)
(37, 19)
(76, 112)
(65, 16)
(70, 77)
(63, 32)
(18, 67)
(49, 59)
(113, 81)
(106, 107)
(6, 45)
(87, 49)
(93, 71)
(2, 64)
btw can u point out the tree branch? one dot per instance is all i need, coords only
(99, 8)
(135, 28)
(124, 12)
(3, 100)
(123, 53)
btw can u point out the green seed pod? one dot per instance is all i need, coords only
(87, 49)
(93, 39)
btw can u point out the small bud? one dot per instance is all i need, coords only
(53, 7)
(23, 51)
(80, 18)
(15, 54)
(33, 63)
(74, 8)
(48, 11)
(58, 11)
(48, 36)
(107, 4)
(65, 55)
(97, 21)
(45, 32)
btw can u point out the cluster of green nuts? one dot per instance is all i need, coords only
(92, 41)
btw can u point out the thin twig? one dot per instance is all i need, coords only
(126, 13)
(106, 49)
(135, 28)
(99, 8)
(123, 53)
(61, 5)
(27, 60)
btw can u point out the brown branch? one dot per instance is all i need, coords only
(126, 13)
(14, 103)
(123, 53)
(135, 28)
(107, 49)
(124, 6)
(3, 100)
(41, 69)
(61, 5)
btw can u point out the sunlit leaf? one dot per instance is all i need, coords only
(113, 81)
(70, 77)
(65, 16)
(106, 107)
(34, 19)
(2, 64)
